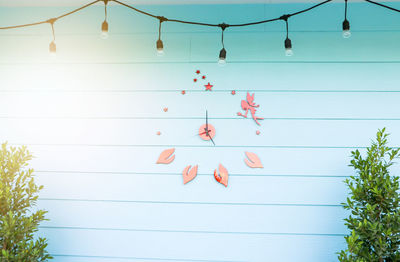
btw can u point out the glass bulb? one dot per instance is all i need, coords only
(222, 62)
(346, 33)
(288, 52)
(160, 52)
(104, 34)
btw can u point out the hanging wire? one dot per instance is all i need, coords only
(47, 21)
(51, 22)
(164, 19)
(190, 22)
(287, 28)
(382, 5)
(105, 10)
(222, 39)
(159, 30)
(52, 29)
(223, 27)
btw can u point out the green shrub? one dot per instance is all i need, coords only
(18, 220)
(374, 204)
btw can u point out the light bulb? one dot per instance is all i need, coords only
(222, 57)
(104, 30)
(288, 47)
(346, 29)
(346, 33)
(160, 47)
(53, 48)
(288, 52)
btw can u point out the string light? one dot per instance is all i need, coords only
(159, 44)
(222, 53)
(104, 25)
(53, 46)
(288, 42)
(346, 23)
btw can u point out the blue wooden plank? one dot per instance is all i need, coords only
(247, 189)
(200, 48)
(229, 132)
(80, 258)
(258, 77)
(276, 160)
(219, 104)
(207, 246)
(313, 47)
(198, 218)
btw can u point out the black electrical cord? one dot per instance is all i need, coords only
(105, 10)
(47, 21)
(189, 22)
(382, 5)
(52, 31)
(287, 28)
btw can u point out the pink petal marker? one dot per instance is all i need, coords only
(254, 162)
(189, 176)
(166, 156)
(223, 175)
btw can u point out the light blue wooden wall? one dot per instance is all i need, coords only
(91, 116)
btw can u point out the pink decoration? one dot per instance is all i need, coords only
(165, 157)
(183, 92)
(254, 162)
(208, 87)
(203, 134)
(233, 92)
(258, 132)
(189, 176)
(250, 105)
(223, 175)
(158, 133)
(165, 109)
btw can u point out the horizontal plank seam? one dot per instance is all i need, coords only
(196, 118)
(193, 146)
(142, 258)
(195, 91)
(210, 32)
(179, 174)
(202, 62)
(191, 231)
(185, 203)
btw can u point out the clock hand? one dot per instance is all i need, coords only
(207, 130)
(206, 120)
(212, 140)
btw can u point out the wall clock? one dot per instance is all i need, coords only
(207, 134)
